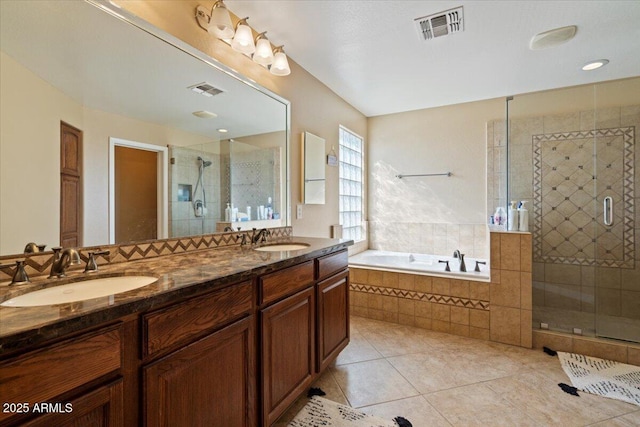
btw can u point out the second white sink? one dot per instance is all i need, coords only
(279, 247)
(80, 291)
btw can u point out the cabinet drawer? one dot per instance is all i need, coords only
(186, 320)
(327, 265)
(285, 282)
(41, 375)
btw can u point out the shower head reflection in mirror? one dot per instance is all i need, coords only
(200, 205)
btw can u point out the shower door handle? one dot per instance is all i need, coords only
(608, 210)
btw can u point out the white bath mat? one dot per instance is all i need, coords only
(602, 377)
(322, 412)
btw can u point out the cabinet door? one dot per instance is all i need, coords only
(333, 318)
(100, 408)
(209, 383)
(288, 352)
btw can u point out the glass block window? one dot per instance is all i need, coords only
(351, 157)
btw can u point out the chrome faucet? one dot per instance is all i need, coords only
(457, 254)
(62, 259)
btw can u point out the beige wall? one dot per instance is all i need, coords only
(314, 107)
(31, 112)
(430, 214)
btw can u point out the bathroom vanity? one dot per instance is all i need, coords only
(226, 337)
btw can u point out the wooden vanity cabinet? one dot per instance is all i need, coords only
(333, 318)
(209, 377)
(287, 330)
(62, 384)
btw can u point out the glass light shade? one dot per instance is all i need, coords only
(220, 24)
(263, 54)
(243, 40)
(280, 66)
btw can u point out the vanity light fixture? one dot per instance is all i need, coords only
(218, 23)
(280, 66)
(594, 65)
(243, 39)
(263, 54)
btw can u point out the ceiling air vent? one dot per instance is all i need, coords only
(205, 89)
(440, 24)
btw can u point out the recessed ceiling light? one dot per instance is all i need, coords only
(594, 65)
(223, 130)
(205, 114)
(552, 38)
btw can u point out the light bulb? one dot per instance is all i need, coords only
(243, 39)
(220, 24)
(263, 54)
(280, 66)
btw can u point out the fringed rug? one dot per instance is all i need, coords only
(606, 378)
(320, 412)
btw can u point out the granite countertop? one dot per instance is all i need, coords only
(179, 276)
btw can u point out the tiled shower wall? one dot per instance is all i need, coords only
(552, 168)
(255, 176)
(184, 170)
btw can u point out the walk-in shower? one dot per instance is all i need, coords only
(200, 205)
(571, 154)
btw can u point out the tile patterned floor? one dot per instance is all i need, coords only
(436, 379)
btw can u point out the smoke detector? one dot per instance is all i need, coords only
(205, 89)
(440, 24)
(552, 38)
(205, 114)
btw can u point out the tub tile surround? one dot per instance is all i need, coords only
(435, 238)
(38, 264)
(498, 311)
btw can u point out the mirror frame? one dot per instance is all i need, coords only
(163, 36)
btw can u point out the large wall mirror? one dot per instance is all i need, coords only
(112, 131)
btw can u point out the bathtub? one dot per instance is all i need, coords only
(401, 262)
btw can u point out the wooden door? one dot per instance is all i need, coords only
(288, 352)
(102, 407)
(333, 318)
(208, 383)
(136, 194)
(70, 186)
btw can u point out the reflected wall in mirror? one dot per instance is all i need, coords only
(313, 171)
(75, 63)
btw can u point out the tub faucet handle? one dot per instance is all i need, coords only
(446, 268)
(478, 265)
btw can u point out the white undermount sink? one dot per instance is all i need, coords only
(279, 247)
(80, 291)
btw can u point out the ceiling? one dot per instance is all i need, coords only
(370, 53)
(123, 70)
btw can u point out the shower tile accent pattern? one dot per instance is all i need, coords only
(564, 179)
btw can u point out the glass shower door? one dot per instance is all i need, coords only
(617, 282)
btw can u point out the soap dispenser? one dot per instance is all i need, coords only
(523, 214)
(512, 221)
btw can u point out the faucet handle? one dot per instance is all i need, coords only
(478, 265)
(20, 275)
(447, 266)
(92, 265)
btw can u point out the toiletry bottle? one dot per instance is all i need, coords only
(512, 221)
(500, 217)
(523, 214)
(227, 214)
(269, 209)
(249, 212)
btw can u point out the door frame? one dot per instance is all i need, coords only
(163, 184)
